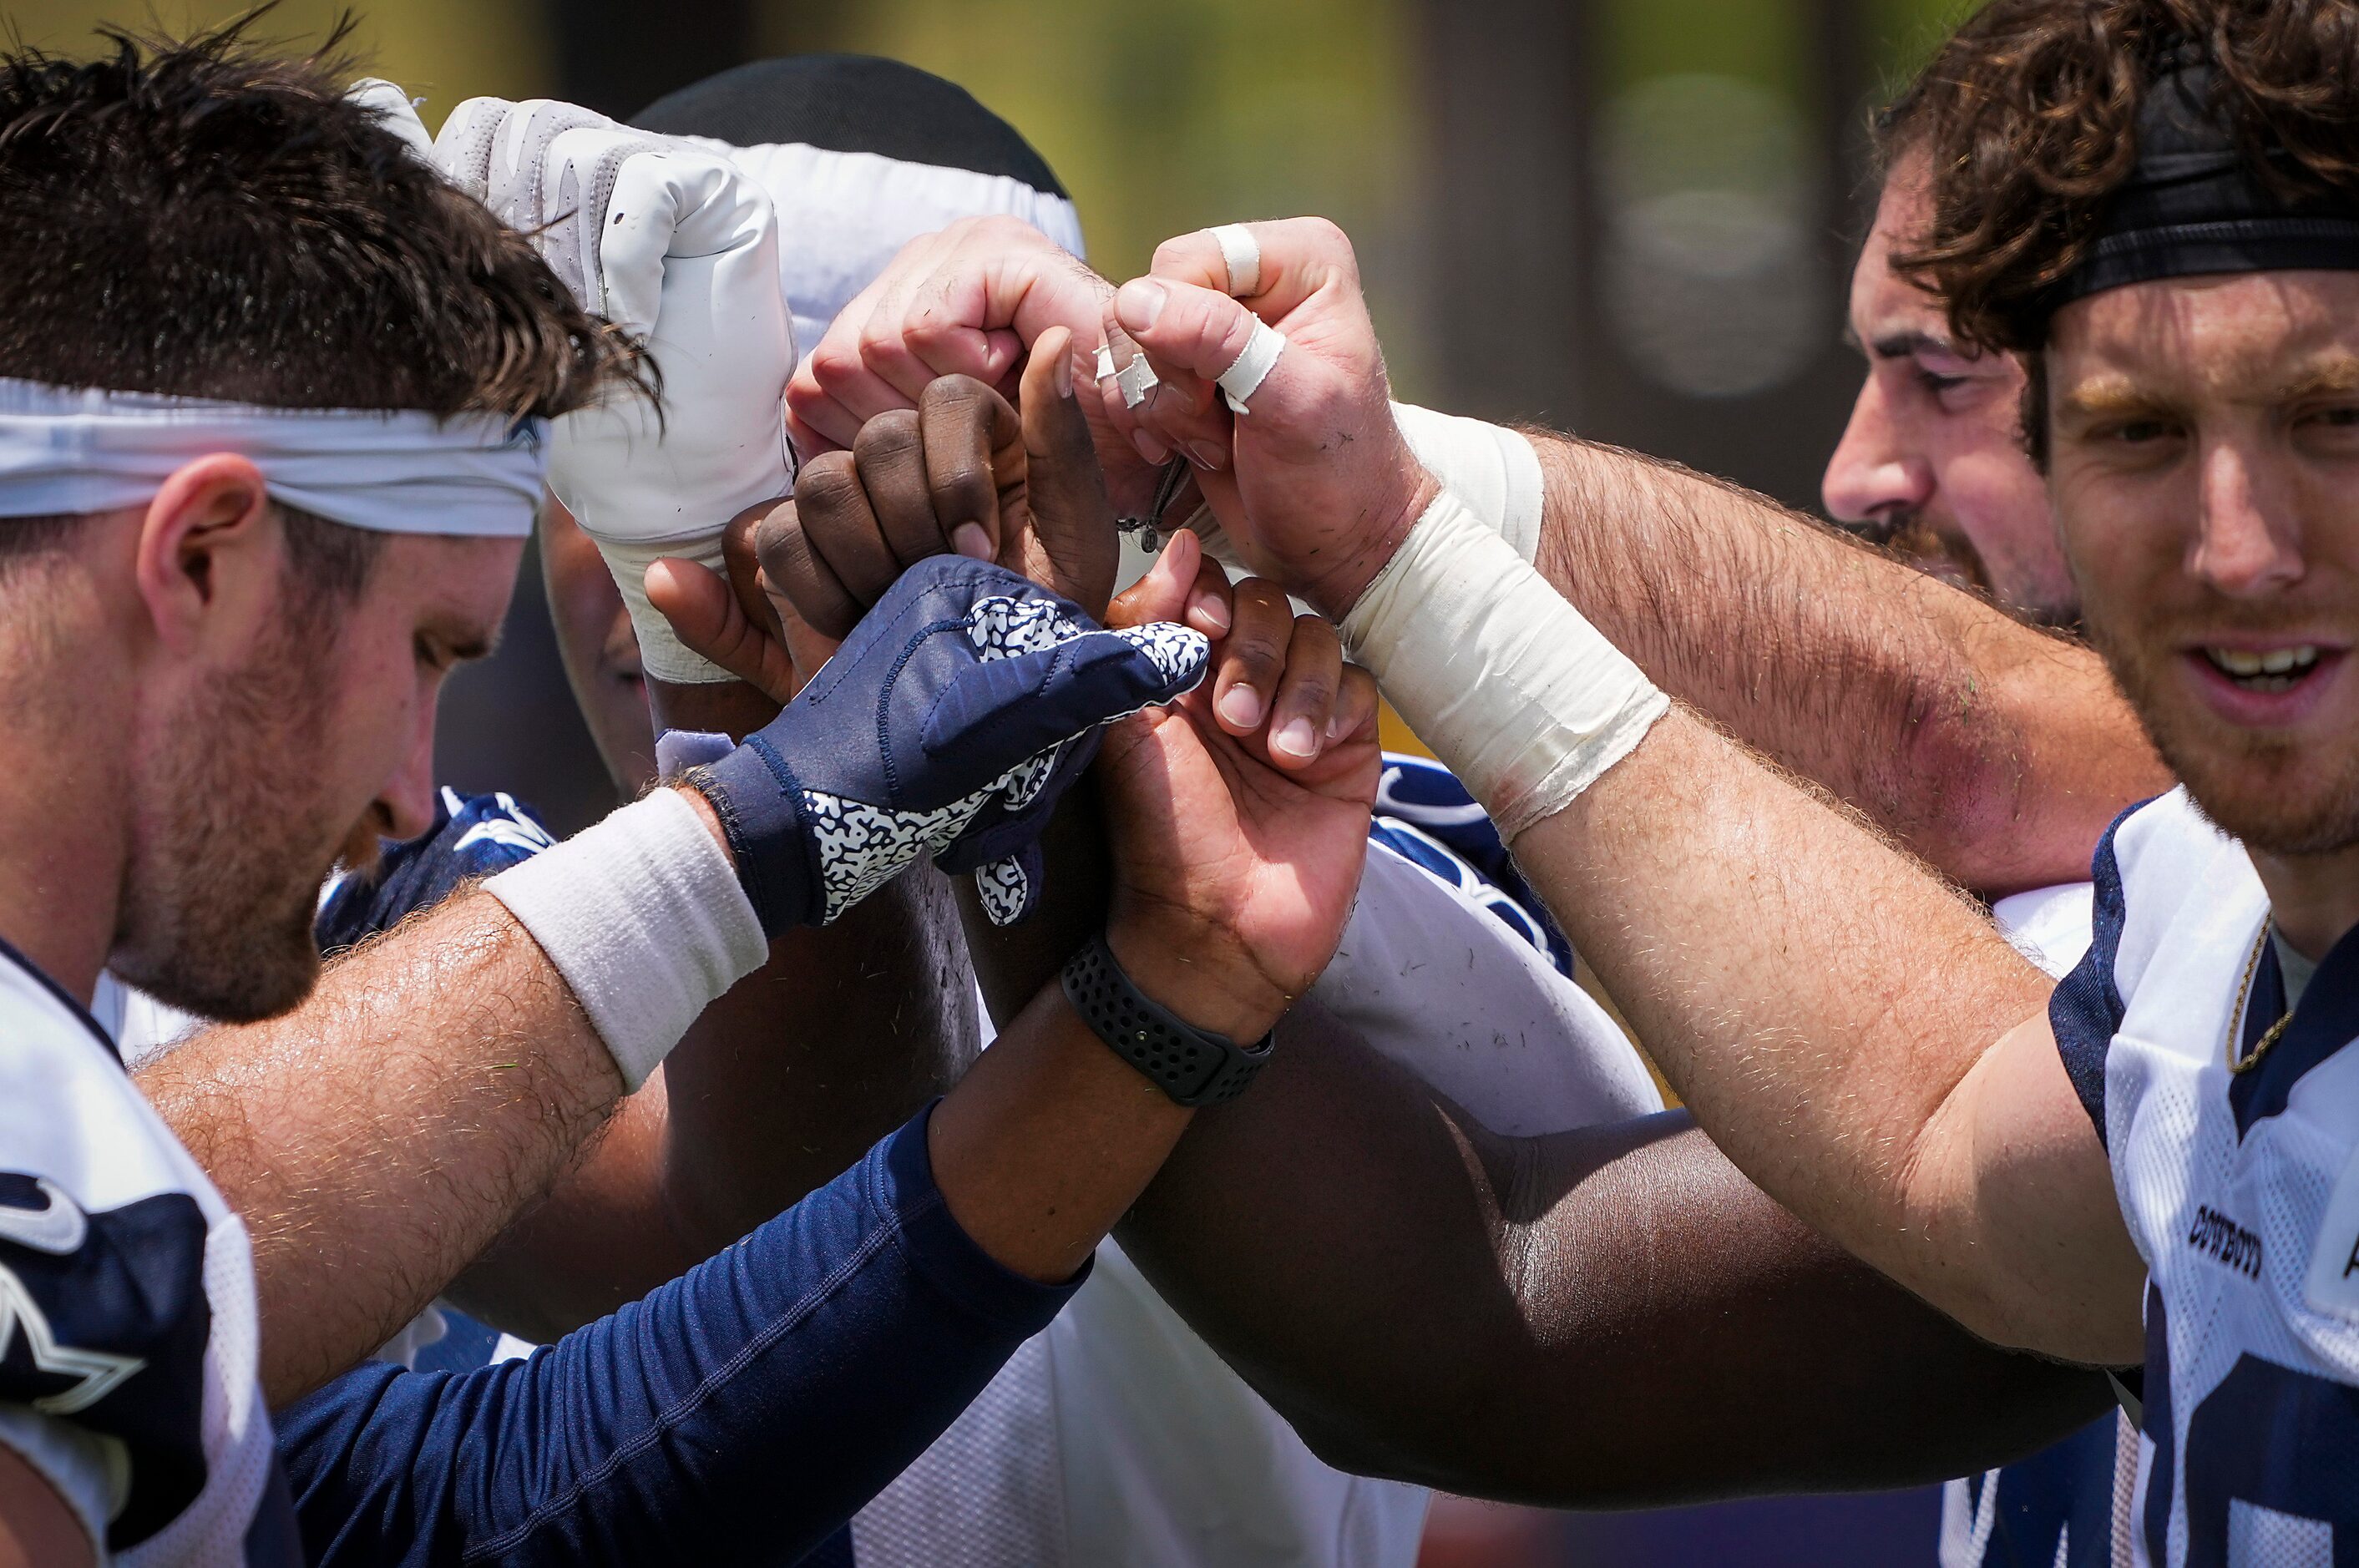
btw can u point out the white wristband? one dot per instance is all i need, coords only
(661, 653)
(1496, 470)
(1523, 698)
(645, 918)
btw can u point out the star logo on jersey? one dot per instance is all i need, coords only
(91, 1375)
(58, 1227)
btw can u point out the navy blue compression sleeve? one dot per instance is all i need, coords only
(741, 1414)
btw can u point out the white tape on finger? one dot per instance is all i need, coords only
(1242, 253)
(1136, 380)
(1241, 380)
(1106, 362)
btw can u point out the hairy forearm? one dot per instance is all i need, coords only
(1637, 1324)
(1821, 1001)
(1997, 752)
(379, 1138)
(780, 1086)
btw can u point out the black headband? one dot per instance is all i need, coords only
(850, 103)
(2194, 205)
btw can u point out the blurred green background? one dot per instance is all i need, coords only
(1632, 218)
(1392, 116)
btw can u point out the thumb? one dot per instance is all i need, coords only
(1185, 327)
(1162, 594)
(394, 112)
(997, 715)
(1065, 489)
(707, 617)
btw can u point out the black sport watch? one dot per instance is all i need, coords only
(1193, 1066)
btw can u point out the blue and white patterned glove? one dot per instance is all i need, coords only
(947, 724)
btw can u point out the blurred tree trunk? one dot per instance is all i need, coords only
(1508, 82)
(1517, 325)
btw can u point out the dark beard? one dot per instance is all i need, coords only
(218, 907)
(1915, 543)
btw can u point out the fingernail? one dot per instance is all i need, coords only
(1241, 707)
(1138, 304)
(1064, 377)
(1154, 450)
(1213, 616)
(1335, 727)
(1294, 738)
(969, 540)
(1206, 455)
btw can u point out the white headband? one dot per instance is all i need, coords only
(66, 450)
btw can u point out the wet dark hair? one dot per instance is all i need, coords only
(2029, 114)
(204, 218)
(211, 217)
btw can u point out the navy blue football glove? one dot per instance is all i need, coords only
(948, 725)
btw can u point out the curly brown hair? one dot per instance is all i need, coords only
(206, 217)
(2029, 113)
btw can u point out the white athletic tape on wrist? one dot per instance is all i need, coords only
(1523, 698)
(67, 450)
(661, 653)
(1240, 380)
(1241, 253)
(645, 918)
(1496, 470)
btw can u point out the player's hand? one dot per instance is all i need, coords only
(1319, 487)
(962, 472)
(948, 725)
(735, 617)
(971, 300)
(669, 242)
(1235, 862)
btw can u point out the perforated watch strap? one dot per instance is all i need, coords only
(1193, 1066)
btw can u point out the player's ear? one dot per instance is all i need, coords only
(209, 556)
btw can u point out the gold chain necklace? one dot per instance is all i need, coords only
(2236, 1017)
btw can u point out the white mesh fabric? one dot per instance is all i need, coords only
(2228, 1220)
(988, 1494)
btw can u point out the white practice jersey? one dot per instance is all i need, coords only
(128, 1304)
(1117, 1436)
(2241, 1189)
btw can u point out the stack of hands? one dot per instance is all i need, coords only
(952, 411)
(1238, 813)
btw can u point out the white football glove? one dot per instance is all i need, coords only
(663, 239)
(843, 216)
(392, 106)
